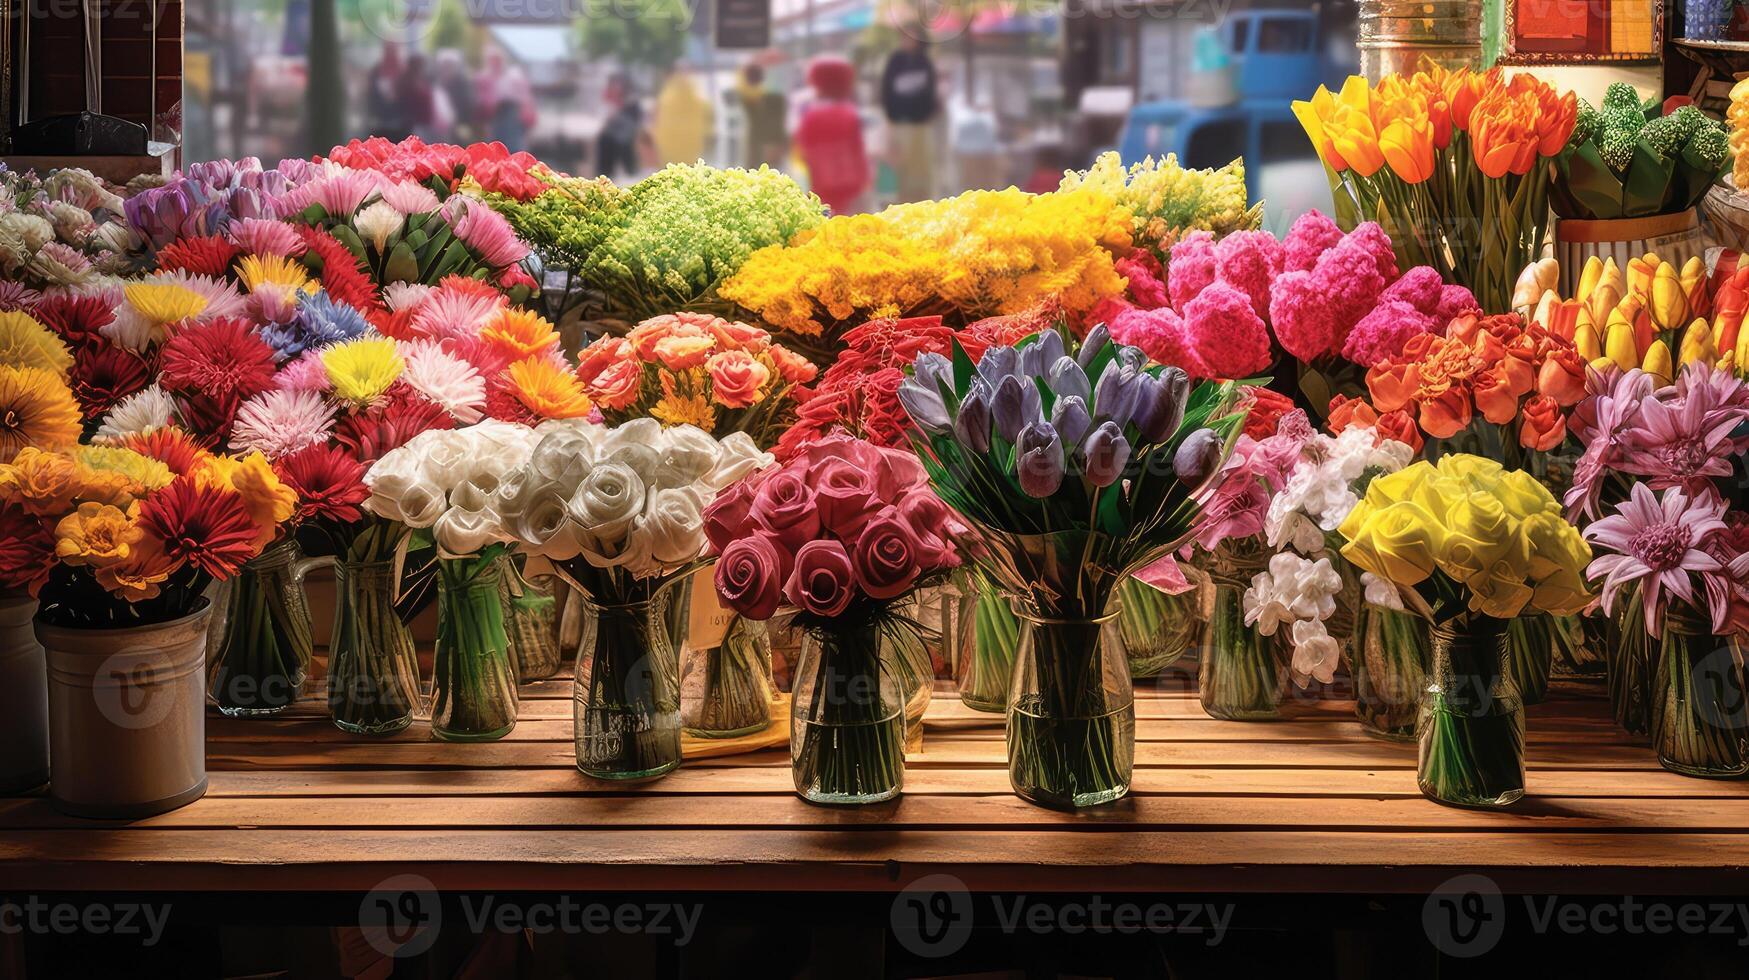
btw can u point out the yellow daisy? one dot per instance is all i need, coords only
(361, 370)
(36, 409)
(162, 302)
(26, 343)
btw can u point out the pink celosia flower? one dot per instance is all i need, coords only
(1373, 238)
(1192, 268)
(1454, 301)
(1146, 279)
(1307, 241)
(1658, 542)
(1160, 335)
(1248, 261)
(1300, 313)
(1420, 287)
(1226, 334)
(1383, 332)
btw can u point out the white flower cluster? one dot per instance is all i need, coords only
(1299, 594)
(1321, 489)
(61, 230)
(631, 497)
(1299, 591)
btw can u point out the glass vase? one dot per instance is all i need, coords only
(1531, 640)
(1243, 676)
(626, 702)
(264, 649)
(1157, 628)
(1390, 672)
(1700, 709)
(725, 666)
(847, 720)
(473, 690)
(1071, 713)
(1628, 665)
(532, 623)
(1471, 725)
(989, 634)
(373, 669)
(909, 658)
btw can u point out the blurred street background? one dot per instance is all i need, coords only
(872, 102)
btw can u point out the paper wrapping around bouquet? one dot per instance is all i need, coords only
(773, 736)
(1675, 238)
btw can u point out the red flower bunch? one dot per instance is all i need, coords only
(443, 166)
(27, 550)
(1509, 372)
(843, 524)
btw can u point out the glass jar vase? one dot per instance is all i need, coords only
(847, 717)
(1629, 658)
(1700, 705)
(264, 647)
(1530, 648)
(473, 689)
(626, 702)
(1243, 675)
(1071, 713)
(989, 634)
(373, 669)
(1156, 628)
(1390, 672)
(1471, 725)
(532, 622)
(725, 665)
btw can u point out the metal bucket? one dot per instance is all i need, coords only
(24, 699)
(1402, 35)
(127, 719)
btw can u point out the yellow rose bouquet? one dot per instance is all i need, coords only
(1477, 551)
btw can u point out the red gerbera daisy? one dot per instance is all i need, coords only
(503, 405)
(204, 255)
(223, 359)
(209, 417)
(27, 550)
(203, 525)
(170, 445)
(343, 278)
(78, 320)
(104, 374)
(329, 483)
(398, 416)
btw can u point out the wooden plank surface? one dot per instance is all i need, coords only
(1305, 803)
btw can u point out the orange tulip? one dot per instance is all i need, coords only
(1392, 386)
(1504, 128)
(1494, 397)
(1562, 377)
(1431, 87)
(1518, 367)
(1465, 89)
(1544, 427)
(1350, 128)
(1402, 428)
(1446, 413)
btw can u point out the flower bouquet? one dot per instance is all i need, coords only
(60, 230)
(845, 532)
(1631, 159)
(1468, 546)
(453, 482)
(1167, 201)
(445, 168)
(1455, 165)
(620, 514)
(1072, 472)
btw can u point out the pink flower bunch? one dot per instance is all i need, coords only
(491, 165)
(843, 524)
(1236, 504)
(1232, 306)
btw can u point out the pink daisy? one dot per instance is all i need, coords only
(1659, 543)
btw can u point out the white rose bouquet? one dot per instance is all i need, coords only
(620, 513)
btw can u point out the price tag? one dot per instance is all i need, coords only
(708, 623)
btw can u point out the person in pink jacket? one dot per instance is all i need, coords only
(829, 136)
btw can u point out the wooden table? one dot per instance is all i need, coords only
(1305, 804)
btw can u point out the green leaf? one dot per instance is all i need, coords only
(963, 368)
(402, 265)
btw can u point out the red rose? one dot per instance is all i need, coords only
(784, 507)
(822, 581)
(727, 517)
(1402, 428)
(749, 576)
(886, 556)
(846, 495)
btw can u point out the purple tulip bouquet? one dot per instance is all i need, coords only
(1073, 470)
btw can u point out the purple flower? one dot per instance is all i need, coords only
(1017, 404)
(1096, 340)
(1037, 357)
(1069, 416)
(1107, 452)
(1659, 543)
(971, 427)
(1114, 396)
(1040, 466)
(1683, 436)
(998, 363)
(1067, 379)
(925, 407)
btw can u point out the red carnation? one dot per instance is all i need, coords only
(203, 525)
(104, 374)
(221, 360)
(76, 319)
(343, 277)
(328, 481)
(203, 255)
(27, 551)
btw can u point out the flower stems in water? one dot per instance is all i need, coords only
(1471, 726)
(373, 670)
(1071, 717)
(1390, 672)
(847, 729)
(725, 691)
(1156, 627)
(1700, 714)
(1242, 676)
(473, 689)
(626, 702)
(266, 651)
(989, 637)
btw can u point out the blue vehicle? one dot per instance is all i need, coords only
(1273, 57)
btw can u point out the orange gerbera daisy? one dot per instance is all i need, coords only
(546, 389)
(36, 409)
(518, 334)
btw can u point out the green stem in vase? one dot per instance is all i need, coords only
(1390, 672)
(726, 690)
(265, 652)
(474, 694)
(847, 732)
(373, 669)
(1242, 675)
(1156, 627)
(987, 654)
(1700, 712)
(626, 701)
(1071, 716)
(1471, 725)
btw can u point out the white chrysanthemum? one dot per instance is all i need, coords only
(142, 412)
(281, 422)
(451, 382)
(376, 223)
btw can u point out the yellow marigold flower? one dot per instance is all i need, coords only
(162, 303)
(361, 370)
(95, 534)
(26, 343)
(257, 270)
(546, 389)
(137, 578)
(43, 483)
(251, 477)
(517, 334)
(36, 409)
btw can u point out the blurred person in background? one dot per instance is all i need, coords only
(766, 113)
(616, 146)
(682, 122)
(504, 101)
(382, 95)
(455, 88)
(829, 137)
(417, 100)
(911, 103)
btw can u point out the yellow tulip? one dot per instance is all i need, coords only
(1589, 278)
(1606, 297)
(1669, 301)
(1697, 345)
(1314, 116)
(1658, 363)
(1618, 345)
(1694, 278)
(1586, 340)
(1602, 363)
(1641, 271)
(1535, 283)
